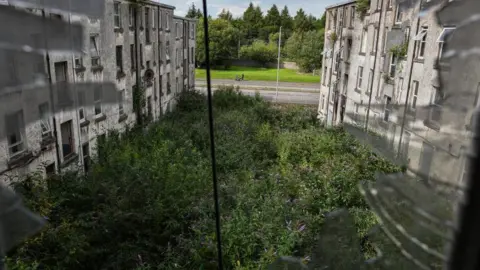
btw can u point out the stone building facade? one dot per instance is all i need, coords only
(131, 43)
(384, 71)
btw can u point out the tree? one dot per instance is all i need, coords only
(253, 21)
(260, 51)
(226, 15)
(322, 21)
(223, 42)
(302, 23)
(193, 12)
(306, 49)
(286, 19)
(273, 19)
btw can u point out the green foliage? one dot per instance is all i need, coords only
(400, 51)
(306, 49)
(148, 204)
(362, 7)
(225, 15)
(193, 12)
(260, 51)
(139, 103)
(223, 41)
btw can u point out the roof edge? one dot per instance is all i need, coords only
(184, 18)
(344, 3)
(153, 3)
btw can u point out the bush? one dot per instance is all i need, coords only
(148, 204)
(259, 51)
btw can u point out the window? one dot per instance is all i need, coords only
(160, 19)
(385, 40)
(15, 128)
(388, 108)
(421, 38)
(379, 6)
(78, 62)
(341, 15)
(131, 15)
(435, 112)
(121, 100)
(132, 56)
(160, 52)
(50, 169)
(374, 40)
(167, 51)
(86, 157)
(44, 111)
(390, 3)
(352, 16)
(94, 54)
(141, 56)
(149, 107)
(177, 56)
(177, 31)
(370, 81)
(360, 78)
(405, 145)
(67, 138)
(349, 48)
(191, 31)
(141, 18)
(81, 104)
(63, 92)
(153, 18)
(160, 89)
(398, 15)
(147, 25)
(97, 100)
(393, 66)
(363, 46)
(441, 40)
(116, 15)
(119, 58)
(323, 101)
(426, 157)
(325, 69)
(154, 51)
(413, 105)
(192, 56)
(167, 25)
(148, 64)
(177, 86)
(169, 90)
(399, 89)
(355, 112)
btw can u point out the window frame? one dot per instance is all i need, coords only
(20, 132)
(121, 101)
(94, 50)
(414, 99)
(392, 67)
(398, 15)
(387, 109)
(359, 77)
(131, 15)
(97, 101)
(119, 59)
(117, 14)
(45, 118)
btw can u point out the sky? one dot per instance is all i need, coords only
(237, 7)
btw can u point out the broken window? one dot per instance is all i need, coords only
(94, 53)
(119, 58)
(387, 109)
(67, 138)
(441, 40)
(15, 129)
(44, 111)
(421, 39)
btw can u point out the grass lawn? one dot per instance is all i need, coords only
(259, 74)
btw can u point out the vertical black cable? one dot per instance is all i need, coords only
(212, 138)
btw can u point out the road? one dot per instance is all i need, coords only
(265, 85)
(286, 97)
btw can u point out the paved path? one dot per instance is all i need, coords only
(310, 87)
(283, 96)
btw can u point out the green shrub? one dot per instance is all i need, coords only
(148, 204)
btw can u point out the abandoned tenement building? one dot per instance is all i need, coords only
(34, 139)
(384, 70)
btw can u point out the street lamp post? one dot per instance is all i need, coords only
(278, 63)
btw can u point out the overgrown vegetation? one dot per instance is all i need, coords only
(147, 204)
(362, 7)
(400, 51)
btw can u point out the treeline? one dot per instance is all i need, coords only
(255, 35)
